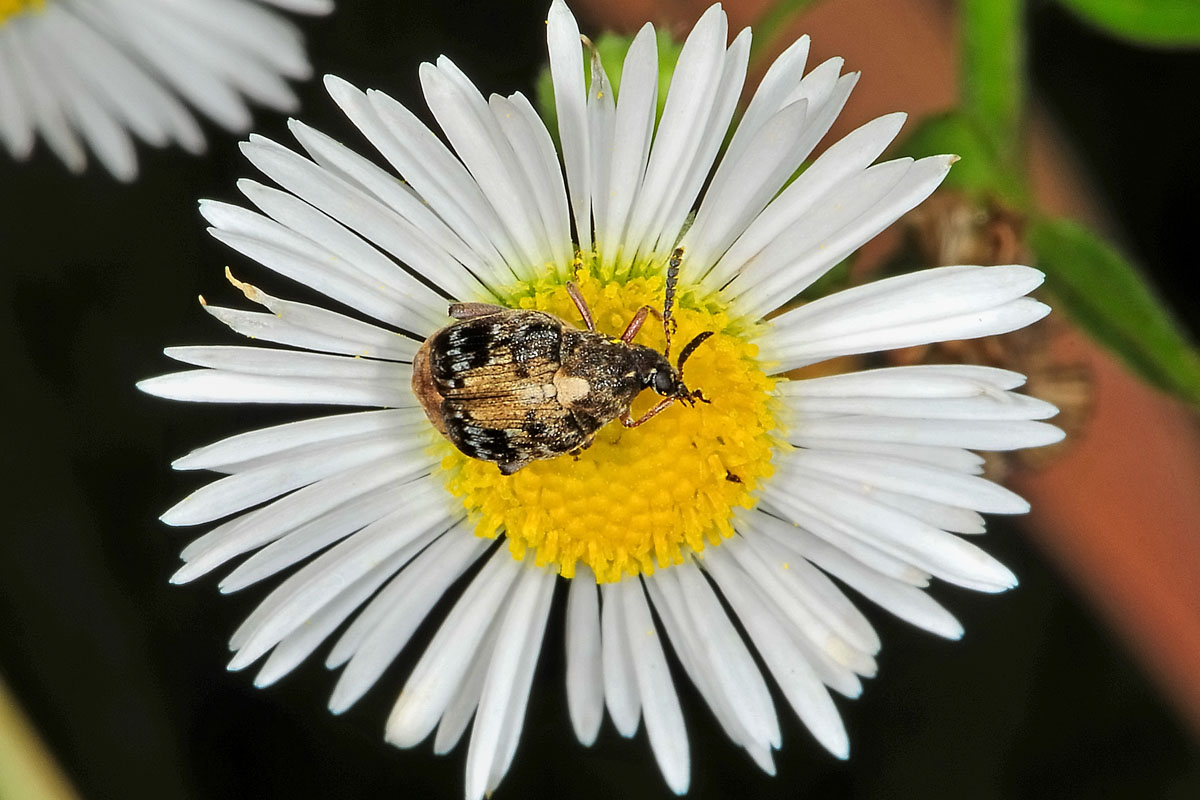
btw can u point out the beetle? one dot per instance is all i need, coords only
(514, 386)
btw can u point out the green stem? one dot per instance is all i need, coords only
(993, 72)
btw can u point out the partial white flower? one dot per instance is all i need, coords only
(769, 500)
(95, 74)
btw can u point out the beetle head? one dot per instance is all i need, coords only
(656, 372)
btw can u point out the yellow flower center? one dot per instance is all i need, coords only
(10, 8)
(638, 497)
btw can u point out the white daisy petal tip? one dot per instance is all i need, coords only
(398, 733)
(1001, 580)
(241, 659)
(842, 750)
(185, 574)
(168, 387)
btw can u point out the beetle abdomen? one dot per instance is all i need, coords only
(494, 375)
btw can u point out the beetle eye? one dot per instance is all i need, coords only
(663, 382)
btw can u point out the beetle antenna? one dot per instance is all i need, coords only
(690, 348)
(669, 300)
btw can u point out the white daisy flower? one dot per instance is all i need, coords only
(94, 74)
(768, 500)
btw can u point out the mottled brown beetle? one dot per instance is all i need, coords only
(514, 386)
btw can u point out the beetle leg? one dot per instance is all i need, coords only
(469, 310)
(635, 324)
(630, 422)
(582, 305)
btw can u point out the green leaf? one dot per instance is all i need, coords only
(1163, 23)
(993, 72)
(979, 171)
(1102, 291)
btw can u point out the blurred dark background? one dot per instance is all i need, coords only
(124, 674)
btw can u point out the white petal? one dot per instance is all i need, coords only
(300, 643)
(850, 216)
(317, 534)
(922, 381)
(660, 705)
(304, 6)
(620, 684)
(532, 145)
(431, 169)
(922, 307)
(791, 670)
(220, 386)
(940, 553)
(397, 196)
(104, 135)
(501, 713)
(566, 70)
(499, 684)
(814, 590)
(335, 244)
(367, 216)
(973, 434)
(688, 106)
(806, 619)
(187, 65)
(445, 663)
(902, 599)
(287, 252)
(946, 457)
(633, 129)
(466, 700)
(16, 117)
(896, 475)
(995, 406)
(675, 211)
(288, 363)
(780, 79)
(46, 111)
(387, 623)
(601, 115)
(741, 188)
(840, 536)
(235, 493)
(720, 655)
(846, 158)
(265, 525)
(585, 681)
(479, 142)
(826, 89)
(385, 627)
(267, 442)
(314, 328)
(406, 530)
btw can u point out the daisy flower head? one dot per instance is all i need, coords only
(766, 500)
(96, 74)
